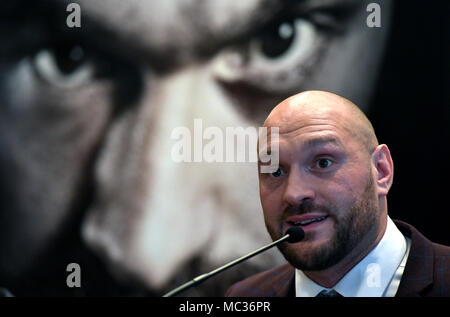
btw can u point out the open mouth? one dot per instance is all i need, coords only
(307, 222)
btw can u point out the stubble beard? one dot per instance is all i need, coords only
(349, 229)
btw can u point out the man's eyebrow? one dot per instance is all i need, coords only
(310, 143)
(322, 140)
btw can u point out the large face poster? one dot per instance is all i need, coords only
(109, 110)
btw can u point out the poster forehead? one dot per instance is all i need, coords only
(177, 22)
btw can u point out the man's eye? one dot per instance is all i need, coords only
(323, 163)
(279, 172)
(65, 67)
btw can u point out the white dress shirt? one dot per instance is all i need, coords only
(377, 275)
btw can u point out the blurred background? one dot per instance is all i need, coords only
(86, 116)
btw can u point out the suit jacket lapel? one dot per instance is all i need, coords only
(418, 274)
(287, 285)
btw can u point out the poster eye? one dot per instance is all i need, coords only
(287, 43)
(277, 40)
(275, 59)
(66, 67)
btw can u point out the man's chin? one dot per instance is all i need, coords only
(316, 258)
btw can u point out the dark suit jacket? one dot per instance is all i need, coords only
(427, 272)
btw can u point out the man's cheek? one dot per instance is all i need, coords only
(273, 216)
(271, 206)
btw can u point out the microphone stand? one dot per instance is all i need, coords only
(201, 278)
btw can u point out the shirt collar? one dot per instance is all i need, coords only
(371, 276)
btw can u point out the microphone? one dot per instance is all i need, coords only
(293, 235)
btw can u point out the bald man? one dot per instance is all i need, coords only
(332, 181)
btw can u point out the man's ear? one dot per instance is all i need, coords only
(384, 168)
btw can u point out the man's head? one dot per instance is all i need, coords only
(331, 170)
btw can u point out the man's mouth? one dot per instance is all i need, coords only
(306, 222)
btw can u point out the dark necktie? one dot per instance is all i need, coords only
(330, 293)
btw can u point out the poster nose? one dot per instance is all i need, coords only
(153, 214)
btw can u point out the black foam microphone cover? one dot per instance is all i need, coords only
(296, 234)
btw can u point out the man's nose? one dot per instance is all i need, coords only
(298, 188)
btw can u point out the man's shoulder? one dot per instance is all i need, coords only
(422, 242)
(427, 271)
(441, 250)
(277, 281)
(441, 269)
